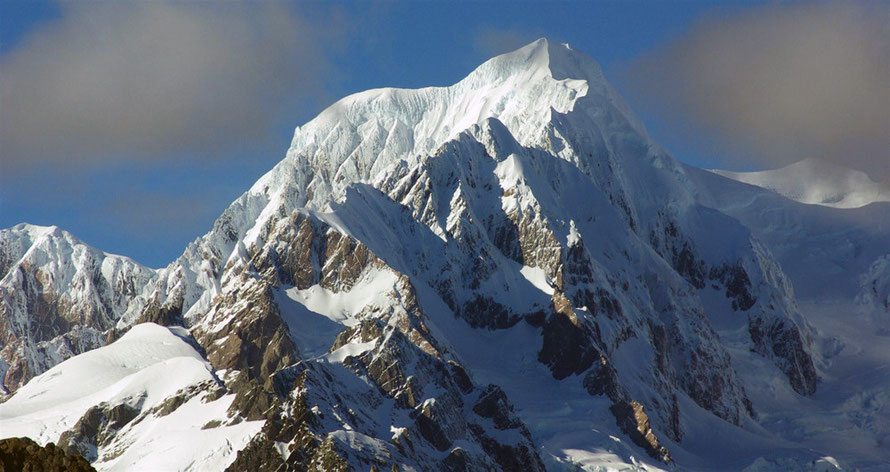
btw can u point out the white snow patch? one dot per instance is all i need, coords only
(178, 442)
(340, 307)
(537, 277)
(350, 350)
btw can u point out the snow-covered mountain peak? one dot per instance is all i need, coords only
(815, 181)
(28, 235)
(46, 270)
(37, 231)
(39, 245)
(357, 137)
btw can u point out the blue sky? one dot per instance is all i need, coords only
(134, 125)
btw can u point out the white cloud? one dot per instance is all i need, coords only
(785, 81)
(149, 79)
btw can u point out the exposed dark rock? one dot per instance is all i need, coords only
(252, 399)
(635, 423)
(539, 246)
(678, 250)
(430, 429)
(567, 347)
(493, 404)
(598, 301)
(255, 339)
(577, 263)
(327, 458)
(506, 238)
(168, 314)
(290, 421)
(738, 285)
(781, 341)
(95, 428)
(456, 461)
(23, 454)
(536, 318)
(483, 312)
(460, 377)
(54, 322)
(209, 389)
(508, 458)
(601, 379)
(259, 454)
(293, 253)
(686, 264)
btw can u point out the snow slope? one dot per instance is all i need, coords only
(144, 369)
(817, 182)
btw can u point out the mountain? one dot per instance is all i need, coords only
(503, 274)
(58, 297)
(817, 182)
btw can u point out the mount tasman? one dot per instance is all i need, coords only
(503, 274)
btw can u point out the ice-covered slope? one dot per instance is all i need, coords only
(824, 250)
(817, 182)
(58, 296)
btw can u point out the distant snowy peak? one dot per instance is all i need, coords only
(421, 262)
(27, 242)
(814, 181)
(63, 259)
(57, 296)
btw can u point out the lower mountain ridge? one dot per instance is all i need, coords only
(504, 274)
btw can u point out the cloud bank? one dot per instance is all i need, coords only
(153, 79)
(784, 81)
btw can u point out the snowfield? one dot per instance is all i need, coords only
(142, 370)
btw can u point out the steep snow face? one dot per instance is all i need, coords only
(360, 135)
(817, 182)
(57, 297)
(110, 404)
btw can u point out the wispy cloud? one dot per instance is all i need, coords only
(785, 81)
(149, 80)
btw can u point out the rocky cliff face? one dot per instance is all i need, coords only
(25, 454)
(476, 277)
(874, 293)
